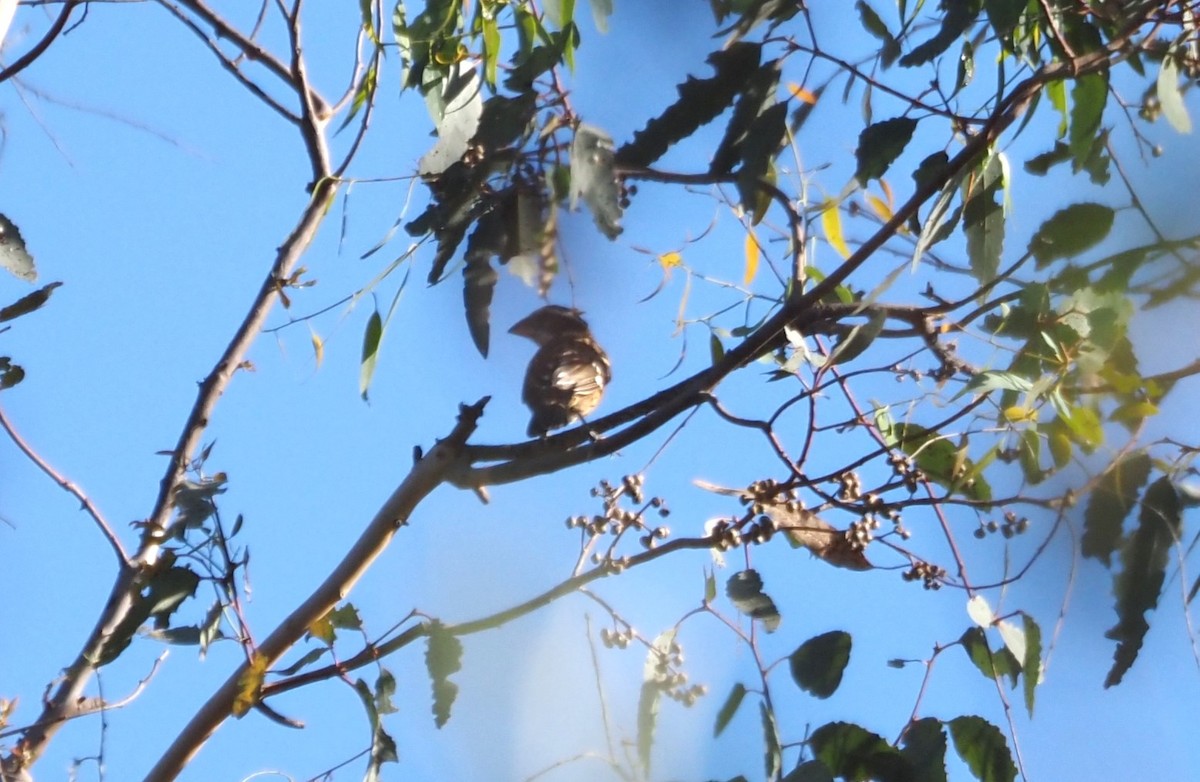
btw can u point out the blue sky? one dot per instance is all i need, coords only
(157, 189)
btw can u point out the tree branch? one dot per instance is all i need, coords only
(426, 475)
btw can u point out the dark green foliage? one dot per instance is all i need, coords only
(880, 144)
(744, 590)
(1144, 560)
(960, 14)
(700, 102)
(984, 749)
(443, 657)
(1071, 231)
(818, 664)
(1110, 503)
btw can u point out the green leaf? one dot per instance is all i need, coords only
(1169, 96)
(385, 690)
(370, 352)
(849, 751)
(1031, 666)
(729, 708)
(992, 664)
(1088, 98)
(1110, 503)
(942, 461)
(956, 21)
(817, 665)
(1144, 560)
(700, 102)
(715, 349)
(443, 657)
(383, 746)
(984, 749)
(1071, 231)
(772, 746)
(880, 144)
(858, 339)
(983, 219)
(1004, 14)
(744, 590)
(925, 749)
(28, 303)
(758, 95)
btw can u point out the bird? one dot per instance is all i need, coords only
(567, 376)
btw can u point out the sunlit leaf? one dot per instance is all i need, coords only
(831, 225)
(370, 352)
(1169, 96)
(752, 252)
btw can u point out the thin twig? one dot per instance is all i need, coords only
(70, 487)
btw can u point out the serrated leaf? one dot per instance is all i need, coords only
(1169, 96)
(984, 749)
(729, 708)
(372, 336)
(1110, 503)
(851, 752)
(983, 219)
(383, 746)
(818, 664)
(385, 690)
(700, 102)
(955, 21)
(880, 144)
(1071, 231)
(443, 657)
(1144, 560)
(925, 750)
(647, 720)
(1013, 638)
(594, 180)
(744, 590)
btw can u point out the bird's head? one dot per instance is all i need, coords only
(550, 322)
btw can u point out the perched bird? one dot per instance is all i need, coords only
(567, 376)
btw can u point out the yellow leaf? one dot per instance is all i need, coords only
(318, 346)
(250, 685)
(801, 93)
(831, 224)
(670, 260)
(1018, 413)
(751, 258)
(887, 192)
(879, 207)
